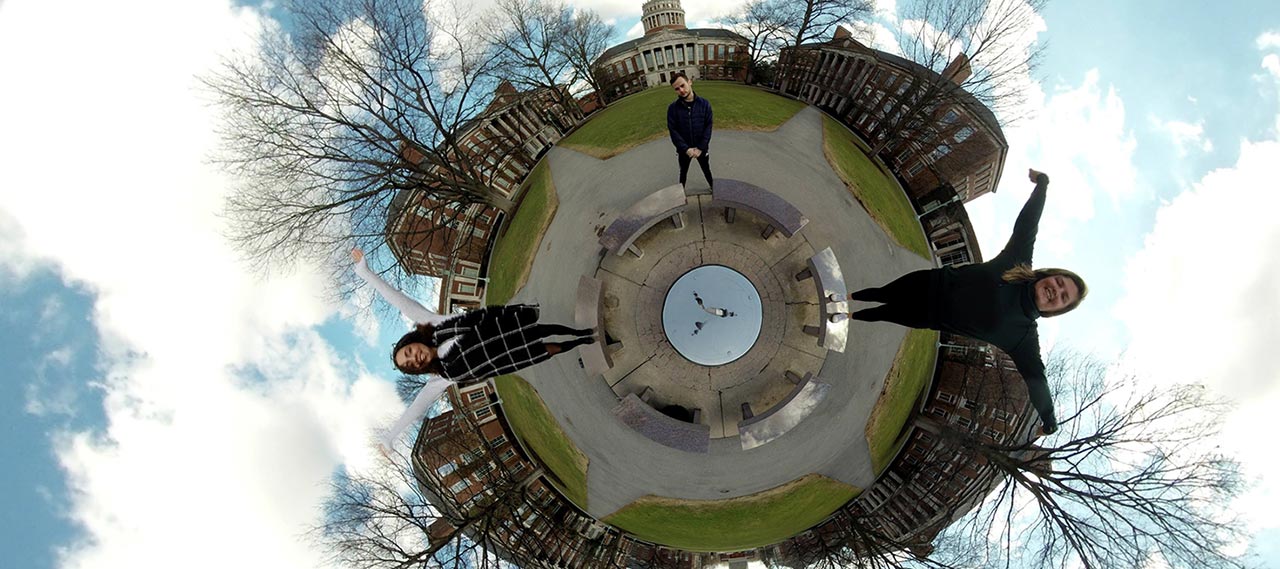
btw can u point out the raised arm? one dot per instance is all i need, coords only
(1027, 358)
(427, 396)
(409, 307)
(1022, 242)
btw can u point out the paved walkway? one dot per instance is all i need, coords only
(624, 465)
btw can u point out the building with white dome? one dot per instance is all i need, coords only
(666, 47)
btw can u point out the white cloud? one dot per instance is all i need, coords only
(1272, 64)
(1185, 135)
(1200, 300)
(226, 413)
(887, 10)
(1268, 40)
(635, 32)
(883, 39)
(1078, 136)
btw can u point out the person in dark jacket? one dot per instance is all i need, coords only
(689, 122)
(996, 302)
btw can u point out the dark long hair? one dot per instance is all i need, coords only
(421, 334)
(1023, 273)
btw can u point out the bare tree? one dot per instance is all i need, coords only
(405, 512)
(362, 101)
(973, 54)
(525, 36)
(763, 24)
(1130, 479)
(814, 20)
(581, 43)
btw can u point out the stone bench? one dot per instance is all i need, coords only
(667, 203)
(588, 313)
(659, 428)
(779, 213)
(757, 430)
(829, 280)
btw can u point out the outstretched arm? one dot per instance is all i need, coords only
(409, 307)
(1022, 242)
(1027, 359)
(427, 396)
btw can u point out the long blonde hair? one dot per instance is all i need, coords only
(1023, 272)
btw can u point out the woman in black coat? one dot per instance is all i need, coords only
(996, 302)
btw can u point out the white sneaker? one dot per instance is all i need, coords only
(838, 317)
(835, 297)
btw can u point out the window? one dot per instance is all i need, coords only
(445, 469)
(648, 59)
(939, 412)
(970, 404)
(964, 133)
(945, 397)
(458, 486)
(964, 422)
(995, 435)
(955, 258)
(498, 440)
(915, 168)
(475, 396)
(939, 152)
(659, 59)
(680, 54)
(507, 454)
(950, 118)
(482, 412)
(464, 288)
(1001, 415)
(484, 470)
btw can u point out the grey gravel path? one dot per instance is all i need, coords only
(624, 465)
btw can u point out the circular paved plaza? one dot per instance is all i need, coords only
(625, 465)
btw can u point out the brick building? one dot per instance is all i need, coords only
(450, 241)
(469, 454)
(668, 46)
(869, 90)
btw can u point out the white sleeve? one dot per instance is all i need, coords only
(409, 307)
(427, 396)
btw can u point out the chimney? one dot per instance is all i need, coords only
(958, 70)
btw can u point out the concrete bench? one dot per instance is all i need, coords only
(667, 203)
(659, 428)
(588, 313)
(757, 430)
(779, 213)
(829, 280)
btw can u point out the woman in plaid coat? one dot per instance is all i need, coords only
(468, 347)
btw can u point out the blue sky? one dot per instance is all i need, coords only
(149, 376)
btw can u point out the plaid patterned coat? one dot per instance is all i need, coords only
(489, 342)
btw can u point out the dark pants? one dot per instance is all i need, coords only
(905, 301)
(704, 162)
(544, 331)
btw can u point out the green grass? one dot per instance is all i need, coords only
(740, 523)
(514, 252)
(642, 117)
(537, 428)
(875, 188)
(909, 375)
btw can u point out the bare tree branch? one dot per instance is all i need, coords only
(325, 127)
